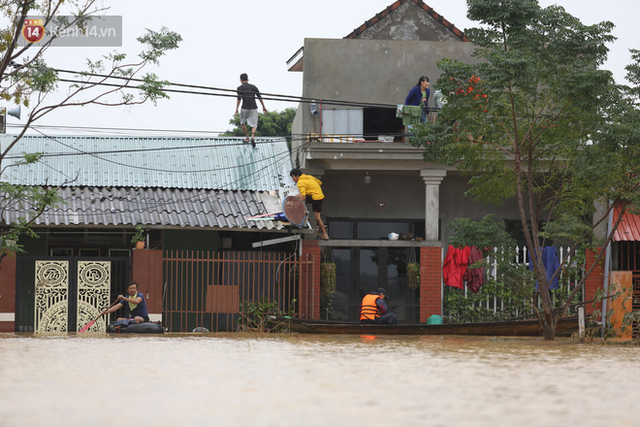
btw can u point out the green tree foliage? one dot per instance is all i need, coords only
(274, 123)
(536, 119)
(27, 80)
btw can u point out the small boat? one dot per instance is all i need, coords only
(511, 328)
(137, 328)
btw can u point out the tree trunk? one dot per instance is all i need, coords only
(548, 325)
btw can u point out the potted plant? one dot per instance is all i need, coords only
(413, 275)
(327, 287)
(138, 238)
(327, 283)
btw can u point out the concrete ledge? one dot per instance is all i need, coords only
(378, 243)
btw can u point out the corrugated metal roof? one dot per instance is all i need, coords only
(119, 206)
(629, 227)
(195, 163)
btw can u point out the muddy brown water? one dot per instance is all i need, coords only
(306, 380)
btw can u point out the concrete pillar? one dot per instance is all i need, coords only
(432, 179)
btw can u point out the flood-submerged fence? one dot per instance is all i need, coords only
(496, 301)
(230, 291)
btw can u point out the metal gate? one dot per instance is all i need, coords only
(62, 294)
(209, 291)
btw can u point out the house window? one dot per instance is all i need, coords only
(119, 252)
(342, 125)
(342, 230)
(89, 252)
(61, 252)
(381, 124)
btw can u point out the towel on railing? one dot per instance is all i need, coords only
(411, 115)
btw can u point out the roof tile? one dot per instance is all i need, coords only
(397, 4)
(155, 207)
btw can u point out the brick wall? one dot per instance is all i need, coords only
(430, 282)
(8, 294)
(594, 281)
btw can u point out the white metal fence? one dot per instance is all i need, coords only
(491, 304)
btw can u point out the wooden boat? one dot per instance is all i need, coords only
(512, 328)
(137, 328)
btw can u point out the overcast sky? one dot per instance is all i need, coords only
(222, 39)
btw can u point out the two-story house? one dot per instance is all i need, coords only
(375, 182)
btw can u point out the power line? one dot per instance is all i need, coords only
(233, 92)
(142, 150)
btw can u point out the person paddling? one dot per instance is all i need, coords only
(133, 303)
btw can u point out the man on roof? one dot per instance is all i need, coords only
(247, 94)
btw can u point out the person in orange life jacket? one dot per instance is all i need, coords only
(134, 301)
(311, 192)
(374, 309)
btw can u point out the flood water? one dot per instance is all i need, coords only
(308, 380)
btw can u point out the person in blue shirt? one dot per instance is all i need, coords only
(133, 303)
(419, 96)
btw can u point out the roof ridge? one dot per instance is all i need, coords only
(385, 12)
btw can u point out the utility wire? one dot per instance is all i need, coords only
(233, 92)
(78, 151)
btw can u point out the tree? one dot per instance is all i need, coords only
(274, 123)
(536, 120)
(27, 80)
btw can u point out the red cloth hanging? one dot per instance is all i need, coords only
(454, 266)
(474, 276)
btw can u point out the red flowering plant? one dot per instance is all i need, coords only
(463, 120)
(474, 90)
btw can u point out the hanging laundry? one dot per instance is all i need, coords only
(474, 276)
(454, 266)
(399, 111)
(551, 263)
(411, 115)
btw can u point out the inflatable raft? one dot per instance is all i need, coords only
(137, 328)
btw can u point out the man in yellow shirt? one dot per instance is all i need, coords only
(311, 192)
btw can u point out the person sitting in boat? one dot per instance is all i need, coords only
(133, 303)
(374, 309)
